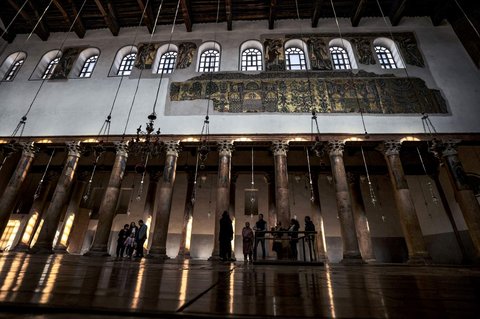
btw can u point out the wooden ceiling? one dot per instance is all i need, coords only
(118, 14)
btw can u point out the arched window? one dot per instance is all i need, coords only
(88, 67)
(167, 62)
(385, 57)
(209, 61)
(251, 60)
(50, 68)
(295, 59)
(126, 66)
(340, 58)
(13, 70)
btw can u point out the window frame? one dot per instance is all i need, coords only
(301, 56)
(385, 57)
(50, 69)
(216, 61)
(167, 63)
(88, 67)
(13, 70)
(256, 63)
(126, 64)
(340, 58)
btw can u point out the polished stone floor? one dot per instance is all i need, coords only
(66, 286)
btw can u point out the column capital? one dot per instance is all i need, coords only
(225, 148)
(280, 147)
(336, 147)
(28, 148)
(391, 147)
(73, 148)
(121, 148)
(172, 147)
(450, 147)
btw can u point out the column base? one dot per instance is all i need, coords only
(352, 259)
(158, 253)
(61, 250)
(420, 259)
(183, 256)
(21, 248)
(97, 252)
(214, 258)
(157, 256)
(40, 250)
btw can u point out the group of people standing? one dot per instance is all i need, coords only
(131, 239)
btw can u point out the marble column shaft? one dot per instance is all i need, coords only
(149, 207)
(280, 149)
(360, 218)
(108, 205)
(38, 207)
(463, 194)
(73, 208)
(225, 150)
(59, 200)
(7, 201)
(164, 205)
(184, 250)
(417, 251)
(351, 251)
(317, 218)
(272, 210)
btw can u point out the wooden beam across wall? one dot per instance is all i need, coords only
(228, 11)
(317, 9)
(149, 18)
(78, 27)
(358, 11)
(396, 13)
(7, 36)
(107, 11)
(41, 29)
(186, 14)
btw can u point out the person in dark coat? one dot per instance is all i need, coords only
(225, 237)
(140, 238)
(122, 236)
(293, 233)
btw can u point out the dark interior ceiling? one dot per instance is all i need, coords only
(114, 15)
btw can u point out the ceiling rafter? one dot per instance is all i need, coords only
(358, 11)
(108, 14)
(272, 14)
(148, 18)
(186, 14)
(398, 9)
(8, 36)
(228, 9)
(317, 9)
(78, 27)
(41, 30)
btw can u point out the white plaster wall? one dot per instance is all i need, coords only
(79, 106)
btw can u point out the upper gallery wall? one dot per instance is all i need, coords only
(432, 73)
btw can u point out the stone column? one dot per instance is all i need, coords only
(38, 207)
(463, 194)
(280, 149)
(149, 207)
(360, 218)
(225, 150)
(317, 218)
(109, 203)
(231, 207)
(59, 200)
(272, 210)
(73, 208)
(7, 201)
(164, 206)
(417, 251)
(351, 252)
(184, 250)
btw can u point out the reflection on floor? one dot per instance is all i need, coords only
(65, 286)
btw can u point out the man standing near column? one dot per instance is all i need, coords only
(141, 237)
(260, 229)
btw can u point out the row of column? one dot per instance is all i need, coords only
(356, 239)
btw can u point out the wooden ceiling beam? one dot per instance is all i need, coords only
(186, 14)
(228, 9)
(108, 14)
(41, 29)
(272, 14)
(148, 18)
(7, 36)
(396, 14)
(78, 27)
(358, 11)
(317, 9)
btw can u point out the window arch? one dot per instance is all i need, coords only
(167, 62)
(88, 66)
(340, 59)
(124, 61)
(209, 59)
(251, 60)
(12, 65)
(387, 54)
(47, 74)
(295, 59)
